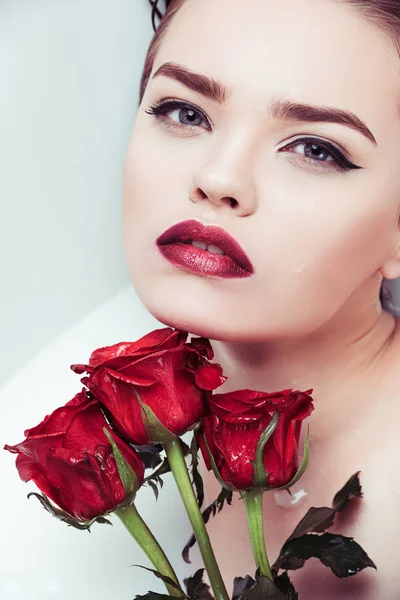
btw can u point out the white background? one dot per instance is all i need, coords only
(69, 90)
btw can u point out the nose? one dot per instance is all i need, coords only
(226, 185)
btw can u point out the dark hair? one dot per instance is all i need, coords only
(172, 7)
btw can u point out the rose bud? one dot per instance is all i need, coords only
(171, 376)
(70, 459)
(234, 424)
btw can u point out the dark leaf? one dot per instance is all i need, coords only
(196, 588)
(151, 448)
(103, 520)
(185, 448)
(162, 469)
(149, 455)
(155, 478)
(285, 585)
(240, 584)
(218, 504)
(341, 554)
(185, 551)
(315, 520)
(165, 578)
(153, 596)
(154, 487)
(65, 517)
(288, 559)
(263, 589)
(196, 477)
(224, 496)
(351, 489)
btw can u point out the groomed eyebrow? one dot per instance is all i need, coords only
(279, 108)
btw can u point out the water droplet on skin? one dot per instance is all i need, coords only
(283, 499)
(300, 269)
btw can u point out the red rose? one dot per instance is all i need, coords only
(173, 377)
(234, 424)
(70, 459)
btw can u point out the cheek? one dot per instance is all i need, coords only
(315, 253)
(139, 176)
(132, 213)
(141, 185)
(151, 202)
(156, 173)
(343, 249)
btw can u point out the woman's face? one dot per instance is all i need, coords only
(314, 230)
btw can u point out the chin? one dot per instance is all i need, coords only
(197, 311)
(170, 318)
(205, 326)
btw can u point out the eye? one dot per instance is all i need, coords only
(188, 115)
(191, 117)
(322, 153)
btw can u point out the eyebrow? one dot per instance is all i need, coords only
(279, 108)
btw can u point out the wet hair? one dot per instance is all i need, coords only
(384, 14)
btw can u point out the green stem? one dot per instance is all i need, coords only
(142, 534)
(254, 511)
(179, 469)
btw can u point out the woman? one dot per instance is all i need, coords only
(278, 123)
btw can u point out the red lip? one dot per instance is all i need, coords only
(187, 231)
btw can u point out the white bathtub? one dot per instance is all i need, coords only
(42, 558)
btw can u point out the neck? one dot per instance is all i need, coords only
(342, 358)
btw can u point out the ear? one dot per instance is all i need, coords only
(391, 267)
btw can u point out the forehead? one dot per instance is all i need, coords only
(316, 51)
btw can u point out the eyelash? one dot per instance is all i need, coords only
(161, 110)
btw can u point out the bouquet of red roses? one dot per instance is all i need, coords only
(89, 457)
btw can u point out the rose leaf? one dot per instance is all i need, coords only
(351, 489)
(65, 517)
(224, 496)
(165, 578)
(149, 454)
(341, 554)
(316, 520)
(197, 479)
(263, 589)
(155, 478)
(153, 596)
(285, 585)
(196, 588)
(240, 584)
